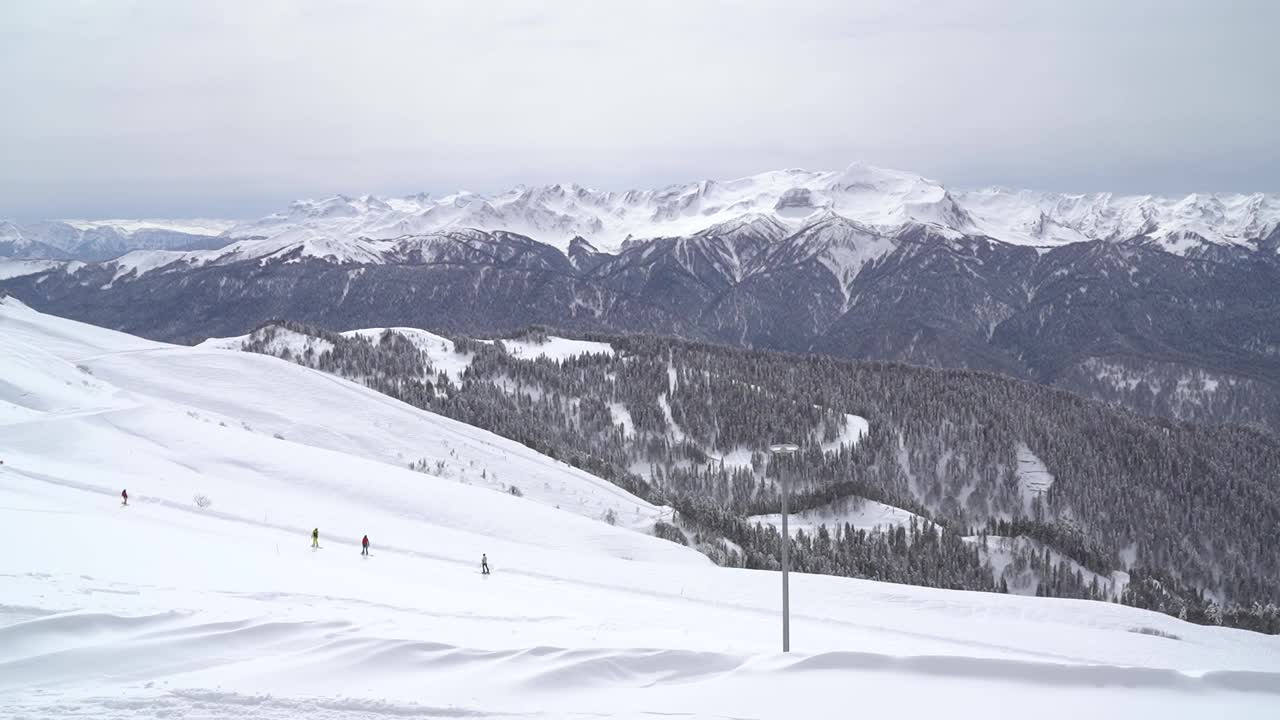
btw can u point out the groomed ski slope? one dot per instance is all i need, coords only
(164, 609)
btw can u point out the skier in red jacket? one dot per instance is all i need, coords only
(364, 544)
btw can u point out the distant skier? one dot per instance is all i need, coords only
(484, 564)
(364, 544)
(124, 496)
(315, 538)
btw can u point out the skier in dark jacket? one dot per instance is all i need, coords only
(124, 495)
(364, 545)
(484, 564)
(315, 538)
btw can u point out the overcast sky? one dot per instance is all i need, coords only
(169, 108)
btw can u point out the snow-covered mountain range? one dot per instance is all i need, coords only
(879, 200)
(863, 263)
(91, 240)
(883, 200)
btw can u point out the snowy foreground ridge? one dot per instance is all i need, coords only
(167, 609)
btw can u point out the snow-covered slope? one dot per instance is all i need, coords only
(17, 268)
(1014, 560)
(167, 609)
(858, 513)
(189, 226)
(555, 348)
(1177, 223)
(164, 392)
(104, 239)
(441, 353)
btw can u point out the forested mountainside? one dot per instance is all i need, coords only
(998, 483)
(1192, 335)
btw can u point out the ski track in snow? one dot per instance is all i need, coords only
(164, 609)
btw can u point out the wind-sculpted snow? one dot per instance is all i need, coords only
(166, 608)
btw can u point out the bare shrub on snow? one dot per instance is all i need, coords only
(1144, 630)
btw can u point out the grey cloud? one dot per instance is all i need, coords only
(232, 108)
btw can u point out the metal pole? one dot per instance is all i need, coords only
(786, 590)
(779, 452)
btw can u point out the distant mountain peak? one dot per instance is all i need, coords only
(886, 199)
(776, 203)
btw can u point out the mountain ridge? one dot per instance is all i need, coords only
(880, 198)
(99, 240)
(792, 199)
(1180, 320)
(1189, 336)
